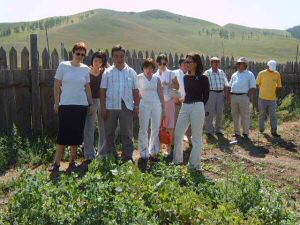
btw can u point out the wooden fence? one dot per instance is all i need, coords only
(26, 88)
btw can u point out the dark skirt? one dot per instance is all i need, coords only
(71, 121)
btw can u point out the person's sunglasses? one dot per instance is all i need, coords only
(164, 63)
(189, 62)
(80, 54)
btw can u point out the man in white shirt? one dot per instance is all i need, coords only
(218, 91)
(242, 85)
(119, 101)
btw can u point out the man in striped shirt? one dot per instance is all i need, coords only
(218, 91)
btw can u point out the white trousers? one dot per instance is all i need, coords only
(149, 111)
(193, 114)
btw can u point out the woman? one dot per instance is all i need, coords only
(149, 109)
(72, 100)
(196, 87)
(98, 65)
(169, 82)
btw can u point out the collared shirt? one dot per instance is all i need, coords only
(179, 74)
(268, 82)
(166, 76)
(119, 85)
(242, 82)
(217, 80)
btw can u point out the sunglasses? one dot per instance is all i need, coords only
(189, 62)
(164, 63)
(80, 54)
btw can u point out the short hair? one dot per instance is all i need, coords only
(181, 61)
(161, 57)
(100, 54)
(117, 48)
(197, 59)
(79, 46)
(147, 63)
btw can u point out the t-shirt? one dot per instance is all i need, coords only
(242, 82)
(196, 89)
(166, 76)
(95, 84)
(148, 88)
(268, 82)
(74, 79)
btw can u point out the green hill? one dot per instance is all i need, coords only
(295, 31)
(156, 30)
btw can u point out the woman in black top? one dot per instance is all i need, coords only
(98, 65)
(192, 112)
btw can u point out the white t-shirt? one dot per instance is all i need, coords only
(148, 88)
(179, 74)
(166, 76)
(74, 79)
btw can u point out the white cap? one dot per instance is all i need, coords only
(242, 60)
(215, 59)
(272, 65)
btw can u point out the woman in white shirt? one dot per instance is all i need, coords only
(72, 100)
(150, 89)
(168, 81)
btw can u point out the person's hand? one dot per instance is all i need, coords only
(163, 116)
(104, 114)
(91, 110)
(56, 108)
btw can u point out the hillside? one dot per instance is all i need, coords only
(295, 31)
(156, 30)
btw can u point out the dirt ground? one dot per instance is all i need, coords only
(278, 159)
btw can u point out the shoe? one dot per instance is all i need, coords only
(54, 168)
(153, 158)
(72, 167)
(219, 133)
(236, 135)
(261, 131)
(274, 134)
(245, 136)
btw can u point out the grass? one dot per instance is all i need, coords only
(162, 32)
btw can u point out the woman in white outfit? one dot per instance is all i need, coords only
(192, 113)
(151, 108)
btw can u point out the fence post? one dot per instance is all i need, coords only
(3, 59)
(35, 87)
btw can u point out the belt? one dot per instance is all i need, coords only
(217, 91)
(192, 102)
(238, 93)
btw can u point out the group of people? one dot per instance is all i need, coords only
(184, 101)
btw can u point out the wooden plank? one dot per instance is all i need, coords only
(3, 120)
(22, 101)
(54, 59)
(171, 62)
(35, 88)
(25, 59)
(49, 118)
(3, 59)
(45, 59)
(13, 59)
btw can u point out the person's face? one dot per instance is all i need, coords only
(184, 67)
(215, 64)
(162, 64)
(148, 71)
(79, 55)
(119, 57)
(191, 65)
(241, 67)
(97, 62)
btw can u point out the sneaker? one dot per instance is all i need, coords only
(274, 134)
(72, 167)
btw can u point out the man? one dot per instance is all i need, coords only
(119, 101)
(242, 85)
(179, 73)
(269, 82)
(218, 91)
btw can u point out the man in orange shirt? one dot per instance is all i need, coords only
(269, 82)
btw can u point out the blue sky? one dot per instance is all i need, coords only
(254, 13)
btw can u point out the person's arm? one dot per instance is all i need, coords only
(88, 92)
(103, 89)
(57, 93)
(278, 85)
(161, 98)
(252, 86)
(205, 89)
(175, 83)
(136, 95)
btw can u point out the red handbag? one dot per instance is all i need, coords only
(164, 135)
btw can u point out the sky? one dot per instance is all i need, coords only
(277, 14)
